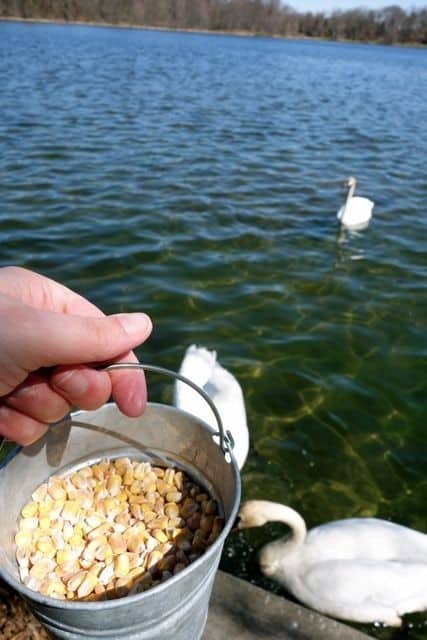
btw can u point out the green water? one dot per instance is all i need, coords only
(197, 178)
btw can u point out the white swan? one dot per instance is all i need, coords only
(358, 569)
(356, 212)
(202, 368)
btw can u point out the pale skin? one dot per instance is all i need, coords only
(52, 341)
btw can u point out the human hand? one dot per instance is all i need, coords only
(50, 338)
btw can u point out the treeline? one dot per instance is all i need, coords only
(264, 17)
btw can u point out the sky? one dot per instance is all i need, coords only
(328, 5)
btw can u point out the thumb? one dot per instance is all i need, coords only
(50, 339)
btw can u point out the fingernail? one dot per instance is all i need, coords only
(134, 323)
(72, 382)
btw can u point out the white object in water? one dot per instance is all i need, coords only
(356, 212)
(358, 569)
(202, 368)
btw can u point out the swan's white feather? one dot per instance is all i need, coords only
(356, 213)
(358, 569)
(201, 366)
(363, 590)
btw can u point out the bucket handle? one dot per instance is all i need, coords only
(226, 441)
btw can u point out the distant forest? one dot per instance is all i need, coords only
(391, 25)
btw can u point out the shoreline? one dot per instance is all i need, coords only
(126, 25)
(238, 34)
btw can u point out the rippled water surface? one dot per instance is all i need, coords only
(198, 177)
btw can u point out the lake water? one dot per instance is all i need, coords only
(197, 177)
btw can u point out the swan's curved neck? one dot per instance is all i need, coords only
(351, 189)
(281, 513)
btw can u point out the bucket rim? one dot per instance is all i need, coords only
(77, 605)
(73, 415)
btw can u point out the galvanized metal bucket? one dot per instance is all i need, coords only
(176, 608)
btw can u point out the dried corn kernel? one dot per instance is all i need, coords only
(111, 528)
(71, 511)
(121, 565)
(88, 585)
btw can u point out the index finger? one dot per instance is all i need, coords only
(129, 390)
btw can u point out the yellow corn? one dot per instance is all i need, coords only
(90, 551)
(65, 555)
(42, 568)
(23, 538)
(97, 568)
(141, 469)
(122, 465)
(46, 546)
(40, 493)
(149, 515)
(179, 480)
(128, 477)
(104, 553)
(117, 543)
(56, 491)
(111, 528)
(171, 510)
(114, 484)
(79, 481)
(30, 509)
(102, 530)
(23, 556)
(135, 544)
(75, 581)
(53, 587)
(67, 531)
(121, 565)
(160, 535)
(107, 574)
(159, 523)
(45, 508)
(87, 586)
(26, 524)
(153, 559)
(45, 522)
(174, 496)
(71, 511)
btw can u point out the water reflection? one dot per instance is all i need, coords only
(346, 241)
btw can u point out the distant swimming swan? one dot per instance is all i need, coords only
(202, 368)
(359, 569)
(356, 212)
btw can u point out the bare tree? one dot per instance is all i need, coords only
(389, 25)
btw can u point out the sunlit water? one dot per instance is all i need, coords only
(197, 178)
